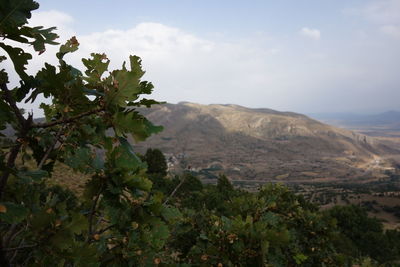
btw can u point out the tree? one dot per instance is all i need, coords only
(119, 220)
(269, 228)
(361, 234)
(224, 185)
(156, 162)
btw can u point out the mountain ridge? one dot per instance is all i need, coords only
(385, 121)
(258, 143)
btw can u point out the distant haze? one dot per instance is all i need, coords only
(303, 56)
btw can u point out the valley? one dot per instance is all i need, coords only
(267, 145)
(329, 165)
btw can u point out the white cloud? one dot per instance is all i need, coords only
(152, 41)
(278, 74)
(64, 24)
(392, 30)
(383, 11)
(185, 67)
(51, 18)
(63, 21)
(64, 28)
(385, 14)
(310, 33)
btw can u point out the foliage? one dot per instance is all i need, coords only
(269, 227)
(118, 214)
(156, 162)
(361, 235)
(123, 218)
(224, 186)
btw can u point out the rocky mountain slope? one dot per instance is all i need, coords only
(260, 144)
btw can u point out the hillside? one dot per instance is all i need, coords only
(261, 144)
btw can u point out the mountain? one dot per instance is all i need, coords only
(387, 121)
(260, 144)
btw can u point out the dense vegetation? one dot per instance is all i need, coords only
(131, 213)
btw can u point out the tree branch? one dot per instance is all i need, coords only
(91, 214)
(10, 100)
(105, 229)
(7, 236)
(25, 126)
(18, 248)
(3, 258)
(46, 155)
(67, 120)
(174, 191)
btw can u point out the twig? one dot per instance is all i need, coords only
(8, 235)
(105, 229)
(10, 100)
(25, 126)
(17, 233)
(67, 120)
(15, 252)
(18, 248)
(13, 233)
(10, 163)
(27, 258)
(3, 259)
(91, 215)
(13, 155)
(46, 155)
(174, 191)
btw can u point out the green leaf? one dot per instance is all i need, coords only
(78, 223)
(49, 82)
(126, 84)
(124, 160)
(6, 115)
(19, 58)
(138, 182)
(80, 159)
(42, 220)
(12, 213)
(148, 102)
(97, 163)
(300, 258)
(264, 246)
(70, 46)
(62, 239)
(203, 236)
(271, 218)
(33, 175)
(92, 92)
(124, 157)
(135, 124)
(96, 66)
(159, 234)
(127, 147)
(15, 13)
(171, 214)
(85, 255)
(42, 36)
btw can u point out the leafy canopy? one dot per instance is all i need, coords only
(120, 218)
(118, 213)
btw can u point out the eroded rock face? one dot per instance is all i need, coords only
(259, 144)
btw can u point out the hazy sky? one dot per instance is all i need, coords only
(303, 56)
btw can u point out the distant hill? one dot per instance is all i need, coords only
(387, 121)
(260, 144)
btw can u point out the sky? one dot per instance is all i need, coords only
(308, 56)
